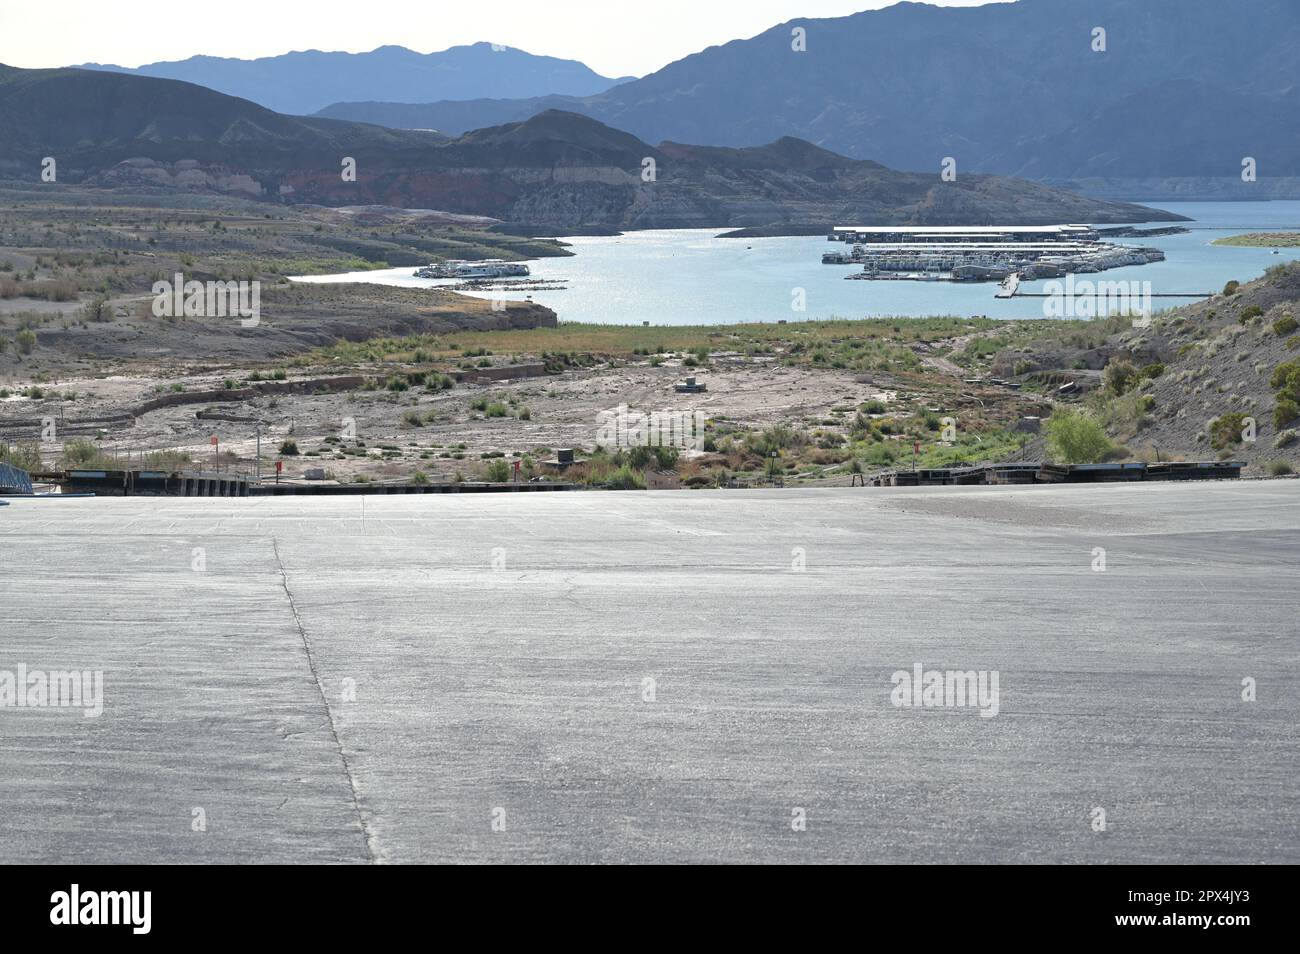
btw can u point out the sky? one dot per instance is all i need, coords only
(613, 37)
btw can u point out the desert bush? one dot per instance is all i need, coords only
(625, 478)
(82, 452)
(289, 448)
(1284, 412)
(25, 340)
(1119, 377)
(1226, 430)
(1285, 325)
(23, 456)
(1074, 436)
(498, 471)
(1278, 468)
(1153, 370)
(1286, 379)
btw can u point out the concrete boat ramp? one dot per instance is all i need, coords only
(635, 677)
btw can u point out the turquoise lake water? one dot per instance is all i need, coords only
(686, 277)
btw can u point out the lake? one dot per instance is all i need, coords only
(688, 276)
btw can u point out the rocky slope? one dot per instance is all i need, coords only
(1183, 88)
(1189, 384)
(558, 170)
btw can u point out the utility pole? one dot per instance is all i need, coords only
(259, 450)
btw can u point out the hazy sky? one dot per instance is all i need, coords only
(613, 37)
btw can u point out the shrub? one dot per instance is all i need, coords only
(625, 478)
(1227, 430)
(1119, 377)
(412, 418)
(1286, 379)
(26, 341)
(289, 448)
(873, 407)
(496, 409)
(498, 471)
(419, 478)
(1249, 312)
(1285, 326)
(1075, 437)
(1278, 468)
(1285, 412)
(1152, 371)
(1231, 287)
(1284, 439)
(665, 457)
(23, 456)
(82, 452)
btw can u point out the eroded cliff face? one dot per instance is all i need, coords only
(686, 192)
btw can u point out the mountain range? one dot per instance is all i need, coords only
(1172, 88)
(557, 171)
(303, 82)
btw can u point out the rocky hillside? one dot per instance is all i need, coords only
(1190, 384)
(1182, 88)
(558, 170)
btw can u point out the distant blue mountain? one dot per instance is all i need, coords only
(1183, 88)
(303, 82)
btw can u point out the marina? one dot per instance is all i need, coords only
(689, 276)
(981, 253)
(489, 268)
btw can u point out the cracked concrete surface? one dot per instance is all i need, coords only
(328, 688)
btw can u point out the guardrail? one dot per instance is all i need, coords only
(1041, 473)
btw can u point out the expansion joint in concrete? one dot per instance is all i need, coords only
(371, 854)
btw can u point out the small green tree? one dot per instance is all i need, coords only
(1119, 377)
(1076, 437)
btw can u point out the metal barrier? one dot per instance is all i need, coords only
(14, 481)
